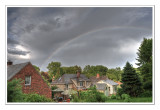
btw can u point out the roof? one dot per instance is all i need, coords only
(111, 82)
(119, 83)
(66, 78)
(101, 86)
(14, 69)
(94, 79)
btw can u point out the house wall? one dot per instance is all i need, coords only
(61, 86)
(38, 85)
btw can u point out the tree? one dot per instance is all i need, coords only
(37, 68)
(114, 74)
(53, 69)
(145, 62)
(14, 91)
(131, 81)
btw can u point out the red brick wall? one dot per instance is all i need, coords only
(38, 85)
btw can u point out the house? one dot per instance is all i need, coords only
(102, 87)
(32, 80)
(70, 83)
(112, 86)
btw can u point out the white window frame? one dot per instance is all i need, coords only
(29, 81)
(81, 83)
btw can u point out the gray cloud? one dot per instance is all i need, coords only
(79, 35)
(14, 51)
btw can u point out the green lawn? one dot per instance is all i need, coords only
(133, 99)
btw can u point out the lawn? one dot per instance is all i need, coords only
(133, 99)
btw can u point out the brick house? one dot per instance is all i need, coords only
(32, 80)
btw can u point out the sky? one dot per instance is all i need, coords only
(108, 36)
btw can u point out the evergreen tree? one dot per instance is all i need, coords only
(145, 63)
(131, 81)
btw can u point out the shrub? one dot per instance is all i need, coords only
(146, 94)
(113, 97)
(36, 98)
(14, 91)
(120, 91)
(126, 97)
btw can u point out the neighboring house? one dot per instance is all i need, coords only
(32, 80)
(72, 81)
(95, 79)
(102, 87)
(112, 86)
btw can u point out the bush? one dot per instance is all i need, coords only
(120, 91)
(36, 98)
(126, 97)
(113, 97)
(14, 91)
(146, 94)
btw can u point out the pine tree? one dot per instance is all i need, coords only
(131, 81)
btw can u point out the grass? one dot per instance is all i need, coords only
(133, 99)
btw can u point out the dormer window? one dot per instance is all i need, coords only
(27, 80)
(81, 83)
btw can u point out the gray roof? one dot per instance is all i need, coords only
(111, 82)
(101, 86)
(58, 90)
(66, 78)
(14, 69)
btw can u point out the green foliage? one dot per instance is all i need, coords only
(14, 91)
(36, 98)
(113, 97)
(145, 62)
(114, 74)
(131, 81)
(37, 68)
(120, 91)
(93, 70)
(91, 95)
(71, 69)
(126, 97)
(146, 94)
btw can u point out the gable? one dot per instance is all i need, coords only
(12, 70)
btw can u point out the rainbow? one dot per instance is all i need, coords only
(87, 33)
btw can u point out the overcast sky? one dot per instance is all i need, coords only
(107, 36)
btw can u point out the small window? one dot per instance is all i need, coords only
(81, 83)
(27, 80)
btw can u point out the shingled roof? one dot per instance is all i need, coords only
(14, 69)
(94, 79)
(111, 82)
(66, 78)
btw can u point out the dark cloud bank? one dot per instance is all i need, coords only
(107, 36)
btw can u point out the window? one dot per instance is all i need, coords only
(67, 86)
(81, 83)
(27, 80)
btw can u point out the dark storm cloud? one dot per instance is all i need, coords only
(110, 35)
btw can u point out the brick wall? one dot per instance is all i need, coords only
(38, 85)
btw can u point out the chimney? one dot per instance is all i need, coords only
(97, 75)
(9, 62)
(78, 74)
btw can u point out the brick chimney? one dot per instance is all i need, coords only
(97, 75)
(9, 62)
(78, 74)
